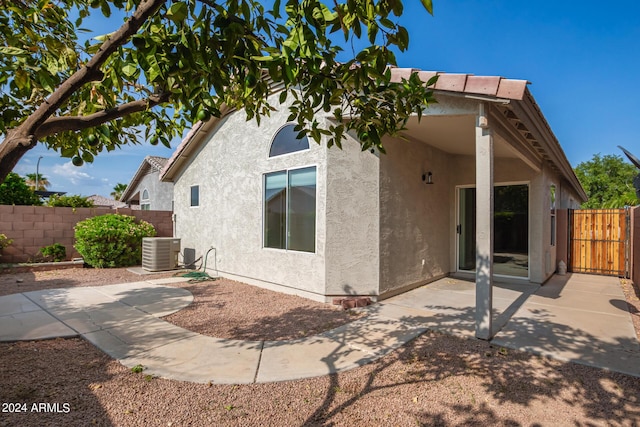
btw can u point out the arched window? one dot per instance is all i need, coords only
(286, 141)
(145, 204)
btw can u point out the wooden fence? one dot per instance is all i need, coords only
(599, 241)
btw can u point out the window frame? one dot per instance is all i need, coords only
(273, 139)
(191, 204)
(145, 202)
(287, 172)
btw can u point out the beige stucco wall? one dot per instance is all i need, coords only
(414, 220)
(352, 221)
(229, 169)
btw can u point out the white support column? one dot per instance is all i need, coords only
(484, 226)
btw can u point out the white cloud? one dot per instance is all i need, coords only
(74, 174)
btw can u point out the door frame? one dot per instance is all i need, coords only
(457, 222)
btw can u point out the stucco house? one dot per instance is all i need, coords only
(145, 190)
(291, 215)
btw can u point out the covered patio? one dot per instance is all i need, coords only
(579, 318)
(503, 173)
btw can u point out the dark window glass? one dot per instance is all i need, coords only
(195, 195)
(302, 210)
(290, 210)
(275, 225)
(286, 141)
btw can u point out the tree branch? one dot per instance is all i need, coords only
(55, 125)
(90, 71)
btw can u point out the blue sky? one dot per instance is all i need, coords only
(582, 59)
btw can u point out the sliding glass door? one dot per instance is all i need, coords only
(511, 230)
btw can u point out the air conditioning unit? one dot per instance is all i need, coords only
(160, 253)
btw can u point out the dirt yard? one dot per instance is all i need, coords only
(436, 380)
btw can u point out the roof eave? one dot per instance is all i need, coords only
(551, 146)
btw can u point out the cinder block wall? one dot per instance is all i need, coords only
(33, 227)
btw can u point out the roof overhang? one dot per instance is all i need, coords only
(513, 112)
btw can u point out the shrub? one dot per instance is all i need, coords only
(69, 201)
(112, 240)
(4, 242)
(15, 191)
(55, 252)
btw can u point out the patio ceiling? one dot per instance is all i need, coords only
(453, 134)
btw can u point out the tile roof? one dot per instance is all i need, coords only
(499, 87)
(155, 163)
(101, 201)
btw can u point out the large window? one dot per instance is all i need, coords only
(286, 141)
(290, 209)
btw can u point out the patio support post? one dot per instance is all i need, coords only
(484, 225)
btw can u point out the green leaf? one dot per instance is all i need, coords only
(68, 152)
(428, 5)
(13, 51)
(129, 70)
(106, 10)
(262, 58)
(178, 12)
(87, 157)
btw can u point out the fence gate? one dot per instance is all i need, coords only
(599, 241)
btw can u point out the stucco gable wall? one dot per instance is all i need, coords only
(160, 193)
(229, 170)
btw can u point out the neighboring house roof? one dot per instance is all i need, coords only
(105, 202)
(149, 164)
(518, 107)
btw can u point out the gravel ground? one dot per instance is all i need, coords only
(436, 380)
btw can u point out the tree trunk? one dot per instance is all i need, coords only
(14, 146)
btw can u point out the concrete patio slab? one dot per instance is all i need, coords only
(16, 303)
(376, 335)
(202, 359)
(576, 318)
(168, 280)
(306, 358)
(68, 299)
(33, 325)
(151, 298)
(583, 324)
(108, 315)
(131, 338)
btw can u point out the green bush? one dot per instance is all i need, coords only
(69, 201)
(112, 240)
(55, 252)
(4, 242)
(15, 191)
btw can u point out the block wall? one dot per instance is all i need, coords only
(33, 227)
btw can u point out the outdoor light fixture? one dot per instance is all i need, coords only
(427, 178)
